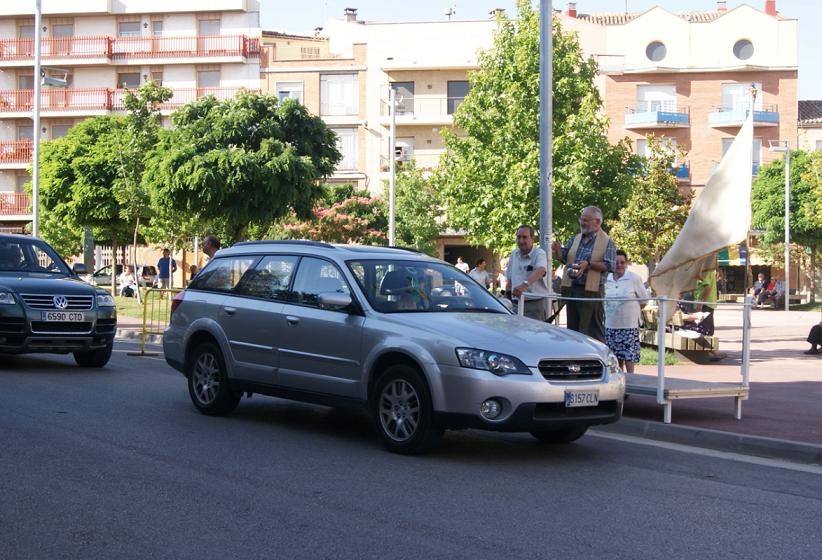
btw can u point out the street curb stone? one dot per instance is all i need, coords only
(771, 448)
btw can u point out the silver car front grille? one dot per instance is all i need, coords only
(571, 370)
(59, 302)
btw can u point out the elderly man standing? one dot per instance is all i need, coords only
(527, 267)
(588, 257)
(211, 244)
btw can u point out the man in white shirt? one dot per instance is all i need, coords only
(481, 275)
(527, 267)
(462, 265)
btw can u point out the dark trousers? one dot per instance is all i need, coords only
(587, 317)
(815, 336)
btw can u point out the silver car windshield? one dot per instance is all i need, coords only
(401, 286)
(27, 255)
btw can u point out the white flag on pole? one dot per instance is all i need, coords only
(719, 217)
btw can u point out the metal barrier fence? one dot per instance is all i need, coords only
(156, 312)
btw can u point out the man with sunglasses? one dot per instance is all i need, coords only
(527, 267)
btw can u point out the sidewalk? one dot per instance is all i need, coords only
(785, 403)
(782, 417)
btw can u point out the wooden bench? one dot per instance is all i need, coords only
(673, 340)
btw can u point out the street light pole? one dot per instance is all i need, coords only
(787, 225)
(35, 169)
(785, 146)
(392, 158)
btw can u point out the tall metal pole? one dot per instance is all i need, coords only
(392, 157)
(787, 225)
(545, 131)
(35, 169)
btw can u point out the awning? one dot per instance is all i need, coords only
(736, 255)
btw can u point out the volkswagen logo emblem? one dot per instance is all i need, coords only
(574, 368)
(60, 302)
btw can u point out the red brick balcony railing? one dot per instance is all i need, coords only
(16, 152)
(85, 100)
(14, 203)
(132, 48)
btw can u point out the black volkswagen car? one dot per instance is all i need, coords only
(46, 308)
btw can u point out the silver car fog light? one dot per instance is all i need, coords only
(491, 409)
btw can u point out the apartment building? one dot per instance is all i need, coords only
(810, 125)
(92, 50)
(685, 76)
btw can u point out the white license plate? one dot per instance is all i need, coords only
(63, 316)
(581, 398)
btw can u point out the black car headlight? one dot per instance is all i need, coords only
(495, 362)
(6, 298)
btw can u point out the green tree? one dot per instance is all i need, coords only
(489, 175)
(768, 205)
(78, 178)
(239, 163)
(343, 215)
(417, 211)
(656, 210)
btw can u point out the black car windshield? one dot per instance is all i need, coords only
(393, 286)
(20, 254)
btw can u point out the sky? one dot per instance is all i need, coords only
(302, 17)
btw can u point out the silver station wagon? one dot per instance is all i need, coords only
(412, 340)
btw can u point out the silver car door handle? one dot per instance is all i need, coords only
(230, 310)
(292, 320)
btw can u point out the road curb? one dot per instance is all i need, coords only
(135, 334)
(771, 448)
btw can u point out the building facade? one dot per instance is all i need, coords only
(91, 51)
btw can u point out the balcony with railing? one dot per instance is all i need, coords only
(656, 114)
(682, 171)
(20, 52)
(721, 117)
(421, 110)
(15, 153)
(14, 205)
(85, 101)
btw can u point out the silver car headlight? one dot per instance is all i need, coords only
(6, 298)
(496, 363)
(612, 363)
(105, 300)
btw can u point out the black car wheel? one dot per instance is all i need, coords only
(402, 411)
(94, 358)
(208, 384)
(565, 435)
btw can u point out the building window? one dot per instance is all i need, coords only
(737, 97)
(656, 98)
(208, 27)
(25, 81)
(338, 94)
(157, 77)
(818, 145)
(59, 130)
(25, 133)
(128, 29)
(129, 80)
(756, 152)
(743, 49)
(20, 181)
(208, 78)
(656, 51)
(457, 90)
(404, 95)
(347, 145)
(157, 28)
(289, 90)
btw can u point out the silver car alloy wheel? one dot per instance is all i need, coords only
(399, 410)
(206, 378)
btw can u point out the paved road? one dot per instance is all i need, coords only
(115, 463)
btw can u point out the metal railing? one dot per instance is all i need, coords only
(16, 151)
(14, 204)
(132, 48)
(156, 312)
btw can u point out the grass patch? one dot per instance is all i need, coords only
(159, 309)
(129, 307)
(648, 356)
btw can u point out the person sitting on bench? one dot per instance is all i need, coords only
(815, 338)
